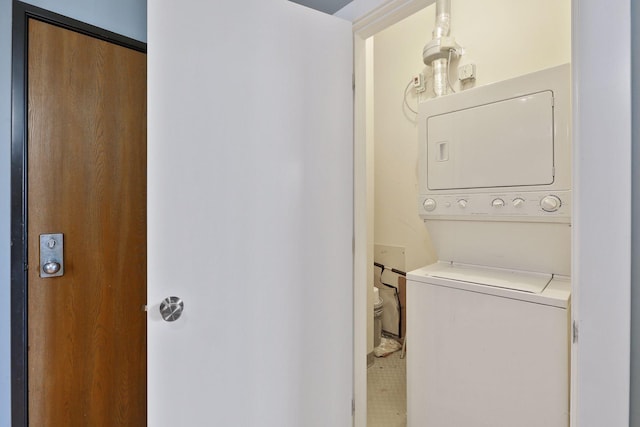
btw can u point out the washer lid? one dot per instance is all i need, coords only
(530, 282)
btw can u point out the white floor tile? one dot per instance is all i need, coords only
(387, 392)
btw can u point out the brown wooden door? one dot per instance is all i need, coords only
(87, 179)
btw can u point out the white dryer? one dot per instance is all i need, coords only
(488, 325)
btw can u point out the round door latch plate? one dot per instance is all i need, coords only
(171, 309)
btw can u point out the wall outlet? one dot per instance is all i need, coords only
(419, 83)
(467, 72)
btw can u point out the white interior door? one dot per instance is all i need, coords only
(250, 216)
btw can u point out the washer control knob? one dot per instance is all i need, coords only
(518, 202)
(497, 203)
(550, 203)
(429, 205)
(462, 203)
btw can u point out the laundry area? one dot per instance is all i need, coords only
(469, 220)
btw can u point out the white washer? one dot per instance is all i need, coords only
(487, 347)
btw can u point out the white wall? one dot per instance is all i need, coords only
(503, 38)
(126, 17)
(635, 260)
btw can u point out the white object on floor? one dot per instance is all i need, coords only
(387, 392)
(386, 347)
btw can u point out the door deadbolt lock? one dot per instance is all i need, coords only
(51, 255)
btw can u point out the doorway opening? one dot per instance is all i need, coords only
(500, 41)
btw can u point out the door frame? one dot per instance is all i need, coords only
(384, 16)
(22, 12)
(601, 254)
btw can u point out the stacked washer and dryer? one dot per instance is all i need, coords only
(488, 324)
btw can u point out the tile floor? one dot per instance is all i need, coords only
(387, 392)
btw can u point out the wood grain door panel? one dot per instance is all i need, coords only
(87, 179)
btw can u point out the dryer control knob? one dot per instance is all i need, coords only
(518, 202)
(550, 203)
(462, 203)
(497, 203)
(429, 205)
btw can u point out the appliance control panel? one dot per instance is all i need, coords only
(537, 206)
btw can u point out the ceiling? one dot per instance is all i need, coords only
(326, 6)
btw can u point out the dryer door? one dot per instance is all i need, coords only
(501, 144)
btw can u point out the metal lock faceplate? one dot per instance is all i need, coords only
(51, 255)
